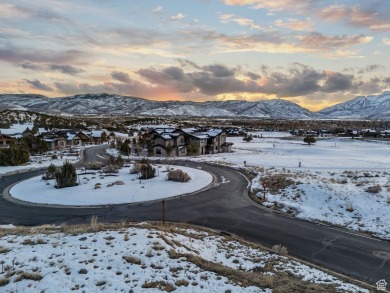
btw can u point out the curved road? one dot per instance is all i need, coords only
(226, 207)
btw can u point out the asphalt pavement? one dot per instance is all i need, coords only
(225, 206)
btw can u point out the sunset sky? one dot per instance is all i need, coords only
(312, 52)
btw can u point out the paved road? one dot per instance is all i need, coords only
(226, 207)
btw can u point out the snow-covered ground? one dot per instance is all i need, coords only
(144, 258)
(17, 128)
(37, 162)
(98, 188)
(331, 184)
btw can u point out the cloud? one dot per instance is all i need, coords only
(178, 16)
(373, 16)
(371, 68)
(65, 69)
(229, 18)
(296, 24)
(38, 85)
(120, 76)
(12, 11)
(335, 82)
(321, 41)
(216, 79)
(386, 41)
(158, 9)
(22, 55)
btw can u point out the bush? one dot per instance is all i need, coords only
(374, 189)
(248, 138)
(309, 140)
(144, 168)
(280, 249)
(51, 172)
(66, 176)
(54, 157)
(178, 176)
(14, 155)
(94, 165)
(111, 169)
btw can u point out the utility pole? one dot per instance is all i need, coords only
(163, 212)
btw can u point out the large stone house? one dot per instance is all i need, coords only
(167, 142)
(180, 142)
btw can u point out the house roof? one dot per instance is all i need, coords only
(97, 133)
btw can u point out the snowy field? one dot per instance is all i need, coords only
(103, 189)
(341, 181)
(37, 162)
(144, 258)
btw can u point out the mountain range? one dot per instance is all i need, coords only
(362, 107)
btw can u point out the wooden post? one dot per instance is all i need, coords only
(163, 212)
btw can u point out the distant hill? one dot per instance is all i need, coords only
(370, 107)
(362, 107)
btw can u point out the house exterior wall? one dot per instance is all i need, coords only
(5, 141)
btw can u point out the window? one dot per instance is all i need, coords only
(158, 151)
(182, 140)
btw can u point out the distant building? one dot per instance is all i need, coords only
(167, 142)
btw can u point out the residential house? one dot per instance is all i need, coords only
(167, 142)
(99, 136)
(180, 142)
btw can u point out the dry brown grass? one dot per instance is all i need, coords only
(4, 250)
(374, 189)
(4, 281)
(132, 259)
(28, 276)
(277, 182)
(178, 176)
(161, 285)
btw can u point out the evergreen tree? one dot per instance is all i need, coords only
(66, 176)
(309, 140)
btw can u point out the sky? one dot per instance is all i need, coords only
(312, 52)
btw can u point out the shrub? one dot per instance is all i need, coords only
(374, 189)
(111, 169)
(66, 176)
(349, 207)
(3, 282)
(54, 157)
(248, 138)
(280, 249)
(178, 176)
(132, 259)
(94, 165)
(144, 168)
(309, 140)
(14, 155)
(50, 173)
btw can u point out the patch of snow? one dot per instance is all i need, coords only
(86, 193)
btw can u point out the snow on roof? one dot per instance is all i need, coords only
(70, 136)
(189, 130)
(120, 134)
(214, 132)
(96, 133)
(162, 130)
(166, 136)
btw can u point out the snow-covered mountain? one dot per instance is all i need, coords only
(120, 105)
(370, 107)
(362, 107)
